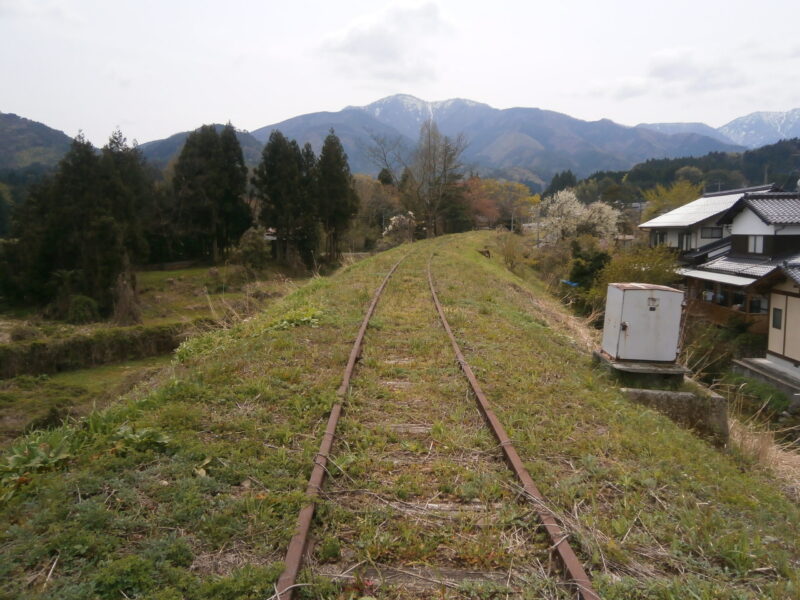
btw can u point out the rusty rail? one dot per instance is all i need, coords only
(294, 554)
(571, 565)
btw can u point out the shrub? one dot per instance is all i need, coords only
(642, 265)
(82, 309)
(552, 261)
(510, 246)
(253, 250)
(22, 332)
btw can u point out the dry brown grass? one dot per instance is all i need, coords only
(760, 445)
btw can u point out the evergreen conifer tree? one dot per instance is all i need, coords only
(79, 229)
(337, 199)
(284, 184)
(209, 184)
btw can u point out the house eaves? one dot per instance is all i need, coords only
(705, 207)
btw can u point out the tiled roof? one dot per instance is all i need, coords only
(793, 273)
(715, 247)
(792, 268)
(752, 267)
(707, 206)
(776, 208)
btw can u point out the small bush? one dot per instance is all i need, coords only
(510, 245)
(553, 261)
(253, 250)
(82, 309)
(641, 265)
(22, 332)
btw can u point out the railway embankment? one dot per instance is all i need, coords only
(192, 489)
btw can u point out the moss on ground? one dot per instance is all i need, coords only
(192, 490)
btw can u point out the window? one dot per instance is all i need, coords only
(711, 233)
(738, 299)
(758, 304)
(755, 244)
(658, 238)
(708, 291)
(777, 318)
(723, 297)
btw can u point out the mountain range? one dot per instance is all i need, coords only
(523, 144)
(751, 131)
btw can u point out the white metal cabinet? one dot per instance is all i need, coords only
(642, 322)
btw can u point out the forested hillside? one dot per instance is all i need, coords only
(24, 143)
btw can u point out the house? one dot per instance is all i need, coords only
(740, 255)
(781, 365)
(783, 346)
(735, 279)
(694, 225)
(729, 277)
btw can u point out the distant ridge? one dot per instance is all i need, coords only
(160, 152)
(751, 131)
(698, 128)
(24, 143)
(527, 144)
(522, 144)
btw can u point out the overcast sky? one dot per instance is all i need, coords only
(154, 68)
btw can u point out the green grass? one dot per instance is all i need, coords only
(41, 402)
(167, 297)
(191, 490)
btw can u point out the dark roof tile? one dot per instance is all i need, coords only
(775, 208)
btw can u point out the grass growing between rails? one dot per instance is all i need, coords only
(192, 490)
(418, 481)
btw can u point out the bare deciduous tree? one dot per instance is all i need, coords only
(428, 174)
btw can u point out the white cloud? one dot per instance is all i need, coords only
(53, 11)
(395, 45)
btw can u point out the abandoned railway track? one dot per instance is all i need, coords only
(419, 503)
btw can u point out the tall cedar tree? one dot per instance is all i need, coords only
(337, 199)
(209, 184)
(284, 182)
(79, 229)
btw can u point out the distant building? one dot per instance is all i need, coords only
(764, 233)
(729, 243)
(695, 225)
(781, 365)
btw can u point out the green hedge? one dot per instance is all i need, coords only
(99, 347)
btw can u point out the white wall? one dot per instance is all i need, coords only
(748, 223)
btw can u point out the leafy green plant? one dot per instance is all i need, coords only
(127, 437)
(41, 451)
(307, 315)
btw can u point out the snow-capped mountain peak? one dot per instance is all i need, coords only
(763, 127)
